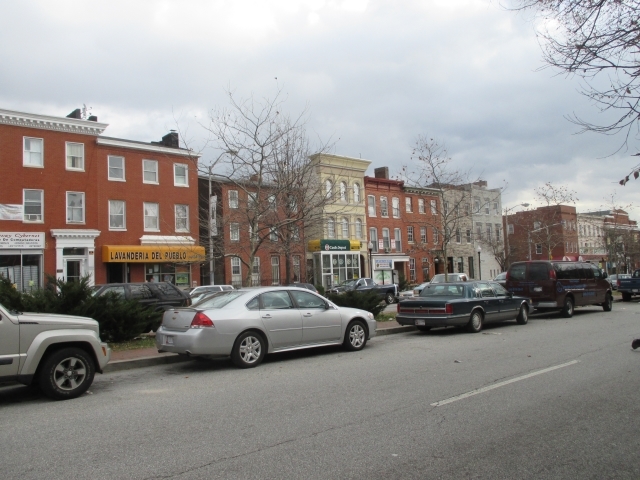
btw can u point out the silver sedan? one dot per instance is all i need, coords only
(247, 324)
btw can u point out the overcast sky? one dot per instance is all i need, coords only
(374, 75)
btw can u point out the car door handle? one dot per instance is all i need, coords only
(6, 361)
(307, 314)
(266, 315)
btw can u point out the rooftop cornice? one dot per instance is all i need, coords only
(117, 142)
(46, 122)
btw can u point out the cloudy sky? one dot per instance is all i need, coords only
(374, 75)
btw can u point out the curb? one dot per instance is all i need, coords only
(168, 358)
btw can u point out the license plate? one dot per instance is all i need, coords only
(168, 340)
(635, 290)
(419, 322)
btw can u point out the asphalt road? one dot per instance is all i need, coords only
(557, 398)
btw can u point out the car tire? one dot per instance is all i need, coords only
(422, 328)
(567, 309)
(475, 322)
(626, 297)
(389, 298)
(523, 315)
(67, 373)
(355, 338)
(249, 350)
(607, 306)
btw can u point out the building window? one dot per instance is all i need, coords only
(331, 228)
(371, 202)
(489, 231)
(116, 168)
(75, 156)
(486, 207)
(498, 233)
(32, 153)
(510, 229)
(328, 188)
(345, 228)
(275, 270)
(384, 207)
(539, 248)
(358, 229)
(373, 239)
(496, 210)
(273, 234)
(234, 232)
(343, 192)
(458, 236)
(236, 272)
(296, 268)
(395, 204)
(33, 201)
(252, 199)
(410, 234)
(180, 175)
(233, 199)
(271, 202)
(476, 205)
(151, 211)
(423, 234)
(478, 231)
(255, 272)
(149, 171)
(436, 236)
(434, 209)
(468, 235)
(292, 203)
(536, 225)
(412, 270)
(421, 205)
(386, 239)
(397, 236)
(445, 208)
(407, 205)
(75, 207)
(117, 215)
(182, 218)
(356, 193)
(295, 233)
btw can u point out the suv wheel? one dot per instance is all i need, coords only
(608, 303)
(390, 298)
(66, 373)
(567, 310)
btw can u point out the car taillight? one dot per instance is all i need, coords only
(448, 309)
(507, 277)
(552, 274)
(201, 321)
(618, 282)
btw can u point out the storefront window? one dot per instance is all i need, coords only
(24, 271)
(179, 275)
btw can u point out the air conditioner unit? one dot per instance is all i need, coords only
(387, 250)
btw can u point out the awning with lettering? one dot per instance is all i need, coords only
(152, 254)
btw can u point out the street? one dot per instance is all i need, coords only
(556, 398)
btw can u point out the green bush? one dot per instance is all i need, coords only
(320, 289)
(367, 300)
(403, 284)
(120, 319)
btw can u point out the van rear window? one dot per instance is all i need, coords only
(518, 271)
(538, 271)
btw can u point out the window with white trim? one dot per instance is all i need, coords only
(478, 231)
(255, 272)
(345, 228)
(468, 235)
(489, 231)
(32, 154)
(434, 209)
(234, 232)
(407, 205)
(371, 203)
(539, 248)
(395, 205)
(295, 233)
(150, 171)
(356, 193)
(75, 156)
(151, 220)
(510, 229)
(275, 270)
(252, 199)
(328, 188)
(384, 207)
(180, 175)
(498, 232)
(458, 236)
(421, 205)
(296, 268)
(373, 239)
(271, 201)
(33, 204)
(358, 229)
(343, 192)
(412, 269)
(436, 236)
(117, 215)
(397, 239)
(116, 168)
(182, 218)
(410, 234)
(75, 207)
(273, 234)
(331, 228)
(236, 272)
(386, 239)
(233, 199)
(423, 234)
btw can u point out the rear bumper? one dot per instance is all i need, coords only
(194, 341)
(434, 321)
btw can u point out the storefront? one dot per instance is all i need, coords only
(387, 267)
(335, 261)
(153, 263)
(21, 259)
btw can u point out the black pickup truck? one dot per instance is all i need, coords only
(389, 293)
(629, 286)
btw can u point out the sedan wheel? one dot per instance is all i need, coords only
(66, 374)
(475, 322)
(523, 315)
(249, 350)
(356, 336)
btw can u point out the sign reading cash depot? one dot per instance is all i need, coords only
(333, 245)
(151, 254)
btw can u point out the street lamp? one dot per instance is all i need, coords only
(546, 227)
(479, 264)
(370, 247)
(508, 250)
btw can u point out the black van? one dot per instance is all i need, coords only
(555, 285)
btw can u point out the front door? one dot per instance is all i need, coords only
(319, 324)
(72, 270)
(490, 303)
(281, 320)
(9, 346)
(508, 305)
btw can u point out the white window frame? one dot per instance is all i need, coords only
(384, 207)
(273, 234)
(27, 155)
(356, 193)
(296, 267)
(271, 201)
(236, 271)
(412, 269)
(395, 207)
(371, 205)
(358, 229)
(331, 228)
(177, 182)
(436, 236)
(344, 197)
(233, 199)
(344, 228)
(234, 232)
(423, 235)
(70, 209)
(397, 239)
(373, 239)
(148, 163)
(109, 167)
(386, 239)
(255, 272)
(421, 205)
(275, 270)
(434, 207)
(40, 216)
(145, 206)
(510, 229)
(328, 185)
(410, 238)
(408, 206)
(184, 217)
(538, 249)
(71, 158)
(112, 204)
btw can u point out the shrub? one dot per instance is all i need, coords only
(320, 289)
(403, 284)
(367, 300)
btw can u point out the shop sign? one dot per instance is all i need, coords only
(151, 254)
(382, 264)
(22, 240)
(333, 245)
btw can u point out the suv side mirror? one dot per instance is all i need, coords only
(604, 274)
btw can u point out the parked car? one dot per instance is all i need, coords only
(418, 289)
(613, 279)
(450, 277)
(208, 289)
(388, 293)
(556, 285)
(158, 295)
(629, 286)
(59, 353)
(470, 304)
(501, 278)
(246, 324)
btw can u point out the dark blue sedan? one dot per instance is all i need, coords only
(469, 304)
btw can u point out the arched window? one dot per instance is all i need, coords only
(329, 188)
(331, 228)
(358, 229)
(356, 193)
(345, 228)
(343, 192)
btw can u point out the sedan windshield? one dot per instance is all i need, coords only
(443, 290)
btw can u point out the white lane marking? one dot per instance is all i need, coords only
(502, 384)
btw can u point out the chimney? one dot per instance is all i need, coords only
(77, 113)
(381, 172)
(171, 140)
(93, 118)
(480, 183)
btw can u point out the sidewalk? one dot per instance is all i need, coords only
(147, 357)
